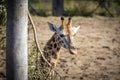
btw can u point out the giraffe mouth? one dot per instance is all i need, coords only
(73, 50)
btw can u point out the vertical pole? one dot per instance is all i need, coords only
(57, 7)
(16, 41)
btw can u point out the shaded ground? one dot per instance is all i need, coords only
(98, 43)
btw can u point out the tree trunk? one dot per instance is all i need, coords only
(16, 45)
(57, 7)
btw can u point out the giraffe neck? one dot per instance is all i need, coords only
(52, 48)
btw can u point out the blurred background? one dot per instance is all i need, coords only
(76, 7)
(109, 8)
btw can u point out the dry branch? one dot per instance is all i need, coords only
(37, 44)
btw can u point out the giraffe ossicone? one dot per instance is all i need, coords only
(63, 37)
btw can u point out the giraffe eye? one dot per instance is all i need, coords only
(61, 35)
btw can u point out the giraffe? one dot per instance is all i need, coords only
(62, 37)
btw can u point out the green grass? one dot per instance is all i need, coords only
(77, 8)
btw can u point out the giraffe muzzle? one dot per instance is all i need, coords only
(73, 50)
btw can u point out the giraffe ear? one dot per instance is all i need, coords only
(52, 27)
(75, 29)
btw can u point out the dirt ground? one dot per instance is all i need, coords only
(98, 43)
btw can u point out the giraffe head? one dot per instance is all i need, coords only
(66, 34)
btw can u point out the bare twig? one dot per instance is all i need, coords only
(37, 44)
